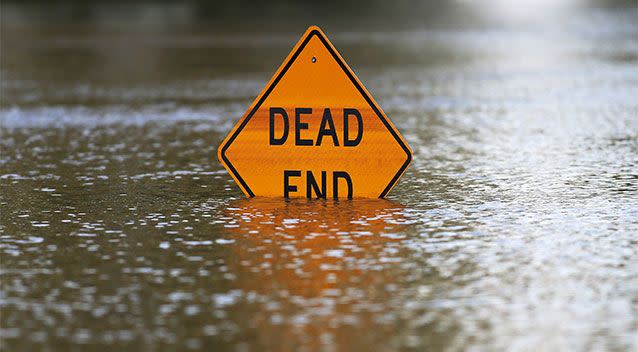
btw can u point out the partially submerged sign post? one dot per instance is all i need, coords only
(315, 132)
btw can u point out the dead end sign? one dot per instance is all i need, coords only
(315, 132)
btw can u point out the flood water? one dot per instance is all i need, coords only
(515, 227)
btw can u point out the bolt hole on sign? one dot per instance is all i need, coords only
(315, 132)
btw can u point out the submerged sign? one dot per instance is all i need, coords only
(315, 132)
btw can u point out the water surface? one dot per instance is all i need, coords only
(515, 226)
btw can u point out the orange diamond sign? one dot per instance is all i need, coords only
(315, 132)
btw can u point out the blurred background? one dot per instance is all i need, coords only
(513, 229)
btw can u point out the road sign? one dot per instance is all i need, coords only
(315, 132)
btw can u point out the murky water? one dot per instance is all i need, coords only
(515, 228)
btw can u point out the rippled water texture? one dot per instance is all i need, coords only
(515, 228)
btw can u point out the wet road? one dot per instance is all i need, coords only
(515, 226)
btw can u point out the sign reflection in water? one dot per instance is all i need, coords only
(328, 269)
(309, 247)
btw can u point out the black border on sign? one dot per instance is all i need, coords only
(356, 84)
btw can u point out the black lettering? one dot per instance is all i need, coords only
(301, 126)
(327, 119)
(282, 112)
(352, 142)
(287, 187)
(311, 184)
(336, 175)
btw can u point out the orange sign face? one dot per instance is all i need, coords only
(315, 132)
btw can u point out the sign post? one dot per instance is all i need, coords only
(315, 132)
